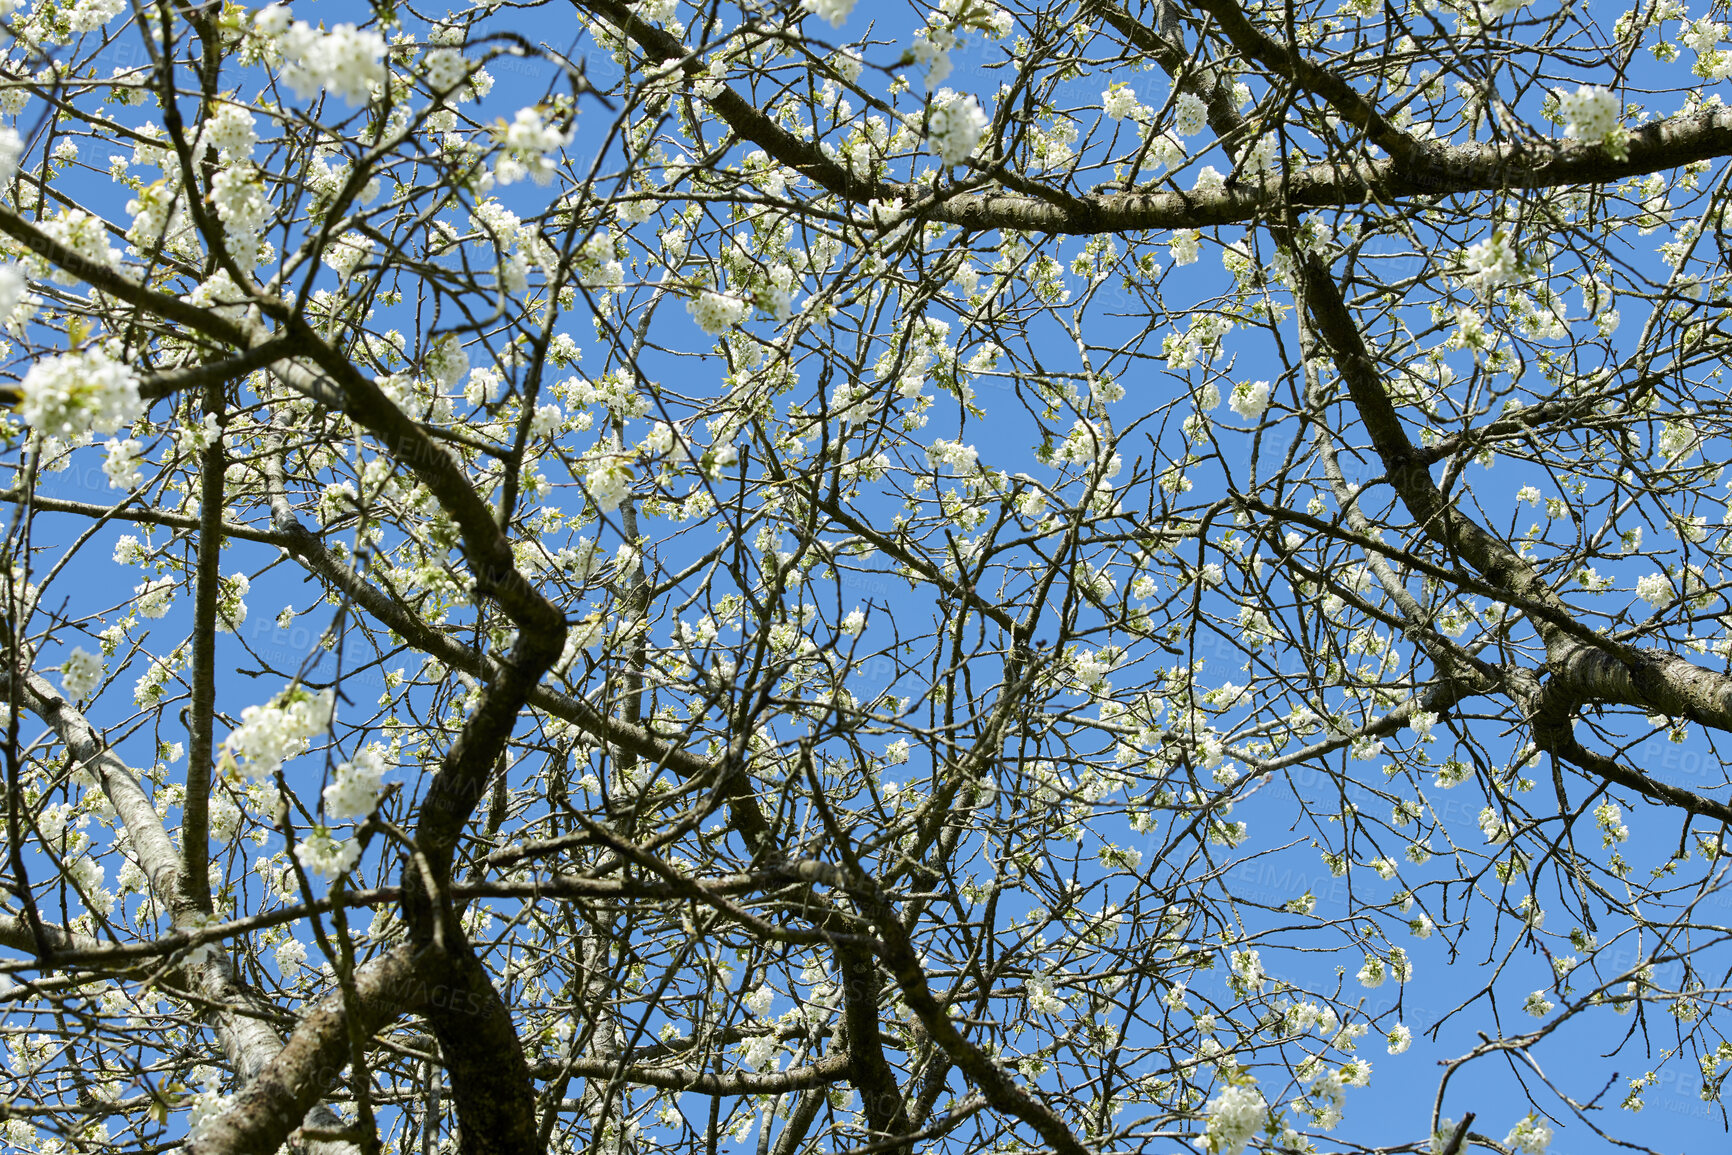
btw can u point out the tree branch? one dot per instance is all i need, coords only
(277, 1100)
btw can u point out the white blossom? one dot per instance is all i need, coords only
(326, 857)
(77, 393)
(954, 126)
(122, 465)
(1235, 1114)
(1491, 263)
(1529, 1136)
(834, 11)
(1250, 399)
(271, 734)
(354, 790)
(1120, 102)
(530, 144)
(80, 673)
(1189, 114)
(1183, 246)
(346, 61)
(1591, 113)
(153, 598)
(716, 313)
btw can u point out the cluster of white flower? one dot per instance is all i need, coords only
(546, 421)
(716, 313)
(486, 386)
(1703, 36)
(1235, 1115)
(230, 131)
(1399, 1038)
(1537, 1005)
(1592, 114)
(1202, 340)
(1491, 263)
(446, 69)
(77, 393)
(80, 673)
(153, 598)
(355, 790)
(1120, 101)
(13, 293)
(608, 483)
(242, 208)
(328, 858)
(1689, 528)
(1183, 246)
(1210, 182)
(596, 262)
(530, 143)
(955, 126)
(122, 463)
(1301, 1017)
(345, 254)
(89, 15)
(964, 459)
(1655, 589)
(86, 236)
(1250, 399)
(291, 956)
(1609, 817)
(231, 609)
(347, 61)
(445, 362)
(1260, 158)
(834, 11)
(271, 734)
(623, 394)
(931, 50)
(220, 295)
(761, 1053)
(1679, 438)
(159, 218)
(11, 148)
(1086, 445)
(1166, 149)
(1190, 114)
(1247, 968)
(1529, 1136)
(202, 1109)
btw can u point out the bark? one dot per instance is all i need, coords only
(285, 1089)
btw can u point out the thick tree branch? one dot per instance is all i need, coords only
(823, 1073)
(1291, 65)
(1432, 169)
(278, 1098)
(1583, 667)
(248, 1043)
(1001, 1088)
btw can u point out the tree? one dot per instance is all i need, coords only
(782, 643)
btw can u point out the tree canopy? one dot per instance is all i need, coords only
(620, 578)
